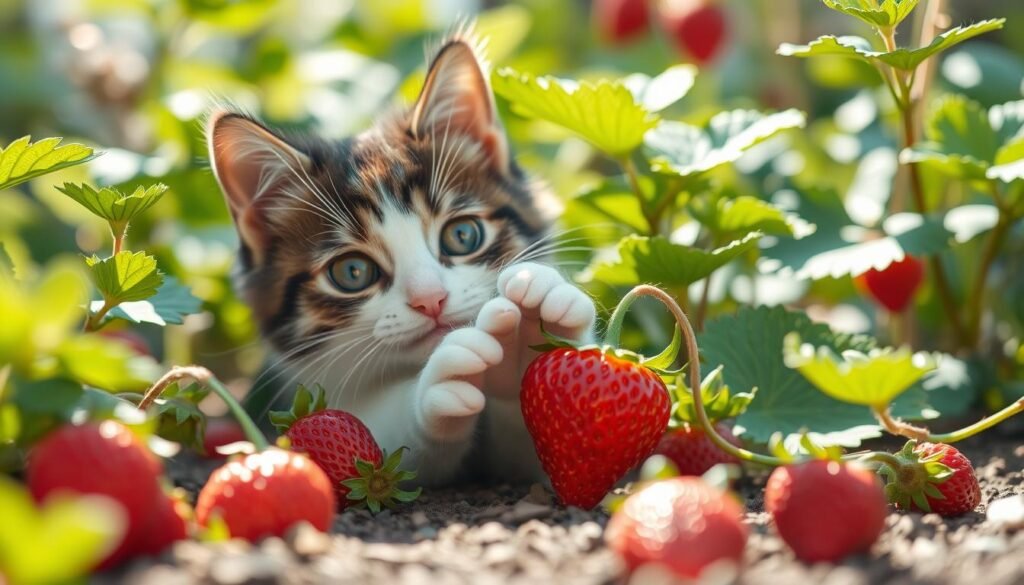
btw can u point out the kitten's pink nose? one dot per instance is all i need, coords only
(430, 303)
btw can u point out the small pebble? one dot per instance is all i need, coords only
(1007, 513)
(307, 541)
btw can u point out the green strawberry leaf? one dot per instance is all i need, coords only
(680, 149)
(106, 364)
(745, 214)
(959, 141)
(719, 402)
(750, 346)
(905, 59)
(614, 199)
(839, 247)
(305, 403)
(22, 160)
(169, 305)
(125, 277)
(656, 259)
(657, 93)
(879, 14)
(43, 405)
(112, 205)
(604, 113)
(872, 379)
(59, 541)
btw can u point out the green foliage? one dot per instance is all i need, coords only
(112, 205)
(750, 346)
(642, 259)
(884, 13)
(902, 59)
(169, 306)
(23, 160)
(604, 113)
(125, 277)
(966, 142)
(59, 542)
(684, 150)
(871, 379)
(177, 413)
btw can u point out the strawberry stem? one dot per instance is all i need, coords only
(205, 376)
(693, 355)
(983, 424)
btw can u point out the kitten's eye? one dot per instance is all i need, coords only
(461, 236)
(353, 272)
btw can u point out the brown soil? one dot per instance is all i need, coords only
(518, 535)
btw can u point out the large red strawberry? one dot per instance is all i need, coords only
(681, 523)
(345, 449)
(99, 458)
(686, 444)
(265, 494)
(826, 510)
(698, 27)
(932, 477)
(894, 287)
(593, 417)
(620, 21)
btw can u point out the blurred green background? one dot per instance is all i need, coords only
(134, 78)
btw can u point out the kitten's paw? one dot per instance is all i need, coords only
(541, 292)
(449, 387)
(499, 317)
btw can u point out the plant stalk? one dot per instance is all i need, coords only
(977, 295)
(982, 425)
(94, 321)
(205, 376)
(896, 426)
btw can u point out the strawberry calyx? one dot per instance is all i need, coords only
(379, 486)
(305, 403)
(659, 364)
(912, 476)
(718, 401)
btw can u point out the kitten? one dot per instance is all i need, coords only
(389, 267)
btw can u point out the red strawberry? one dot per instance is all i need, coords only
(593, 417)
(933, 477)
(895, 286)
(681, 523)
(345, 449)
(692, 452)
(620, 21)
(220, 432)
(698, 27)
(826, 510)
(168, 524)
(99, 458)
(265, 494)
(960, 491)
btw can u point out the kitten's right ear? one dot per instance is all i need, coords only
(252, 165)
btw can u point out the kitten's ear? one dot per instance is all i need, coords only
(456, 99)
(252, 164)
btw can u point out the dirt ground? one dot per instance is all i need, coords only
(508, 534)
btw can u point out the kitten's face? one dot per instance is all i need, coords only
(383, 242)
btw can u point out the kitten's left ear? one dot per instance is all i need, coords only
(456, 99)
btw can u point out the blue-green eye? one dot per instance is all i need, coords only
(461, 236)
(353, 272)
